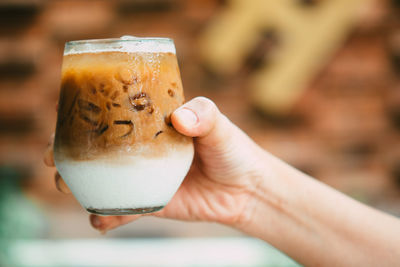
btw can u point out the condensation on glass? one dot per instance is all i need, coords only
(115, 145)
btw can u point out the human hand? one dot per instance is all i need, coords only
(222, 179)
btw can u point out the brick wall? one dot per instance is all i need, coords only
(345, 130)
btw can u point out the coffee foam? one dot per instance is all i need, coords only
(126, 43)
(143, 183)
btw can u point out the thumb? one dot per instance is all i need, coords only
(214, 133)
(224, 149)
(201, 118)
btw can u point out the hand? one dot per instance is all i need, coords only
(234, 182)
(219, 186)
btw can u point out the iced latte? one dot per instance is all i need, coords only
(115, 145)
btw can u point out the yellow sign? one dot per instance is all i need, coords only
(308, 36)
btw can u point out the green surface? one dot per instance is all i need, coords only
(147, 252)
(19, 217)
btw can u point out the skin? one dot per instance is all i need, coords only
(235, 182)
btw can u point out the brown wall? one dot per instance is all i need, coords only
(345, 129)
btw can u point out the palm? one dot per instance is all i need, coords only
(206, 199)
(219, 184)
(216, 188)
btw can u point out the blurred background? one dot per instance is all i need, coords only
(315, 82)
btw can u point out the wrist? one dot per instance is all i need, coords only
(272, 197)
(254, 188)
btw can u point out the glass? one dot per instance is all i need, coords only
(115, 146)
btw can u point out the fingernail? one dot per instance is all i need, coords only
(95, 221)
(187, 117)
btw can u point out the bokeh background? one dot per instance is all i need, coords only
(315, 82)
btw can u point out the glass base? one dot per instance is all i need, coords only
(124, 211)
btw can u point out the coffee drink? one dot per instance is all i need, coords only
(115, 145)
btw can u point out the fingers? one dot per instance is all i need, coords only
(105, 223)
(60, 184)
(48, 157)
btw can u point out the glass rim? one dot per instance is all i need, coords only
(126, 43)
(118, 40)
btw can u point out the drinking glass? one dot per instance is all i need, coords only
(115, 146)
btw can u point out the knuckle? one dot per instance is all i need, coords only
(206, 104)
(205, 101)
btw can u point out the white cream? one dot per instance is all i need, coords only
(124, 44)
(143, 183)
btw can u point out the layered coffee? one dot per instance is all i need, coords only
(115, 145)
